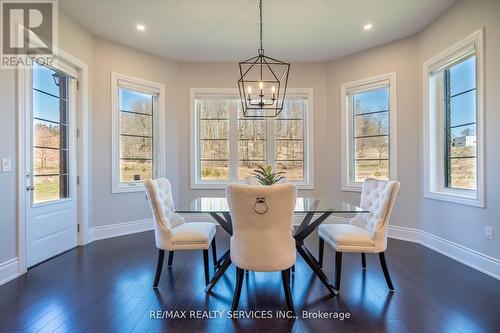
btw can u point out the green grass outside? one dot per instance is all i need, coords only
(46, 191)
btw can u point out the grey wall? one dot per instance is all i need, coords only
(109, 57)
(8, 181)
(73, 39)
(461, 224)
(178, 78)
(399, 57)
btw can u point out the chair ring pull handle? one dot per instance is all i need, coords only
(260, 206)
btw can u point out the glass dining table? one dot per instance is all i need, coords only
(306, 206)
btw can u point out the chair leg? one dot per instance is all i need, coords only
(205, 266)
(383, 263)
(170, 258)
(159, 266)
(237, 289)
(214, 252)
(285, 277)
(321, 251)
(363, 260)
(338, 269)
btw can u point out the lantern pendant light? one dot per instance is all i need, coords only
(263, 82)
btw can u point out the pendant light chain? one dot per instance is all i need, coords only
(261, 33)
(271, 77)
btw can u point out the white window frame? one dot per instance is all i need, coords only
(159, 154)
(347, 167)
(433, 129)
(197, 183)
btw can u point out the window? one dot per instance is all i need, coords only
(227, 147)
(214, 138)
(289, 140)
(136, 135)
(252, 144)
(460, 124)
(453, 123)
(369, 130)
(50, 134)
(137, 114)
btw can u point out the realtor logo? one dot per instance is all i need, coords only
(29, 32)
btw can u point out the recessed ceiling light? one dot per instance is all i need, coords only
(367, 26)
(140, 27)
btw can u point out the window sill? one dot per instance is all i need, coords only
(355, 187)
(128, 188)
(352, 188)
(459, 197)
(209, 186)
(222, 186)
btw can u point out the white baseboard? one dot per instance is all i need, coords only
(481, 262)
(476, 260)
(404, 233)
(120, 229)
(9, 270)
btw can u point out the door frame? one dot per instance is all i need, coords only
(82, 146)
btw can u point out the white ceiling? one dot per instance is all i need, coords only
(227, 30)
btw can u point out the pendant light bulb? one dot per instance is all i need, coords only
(260, 70)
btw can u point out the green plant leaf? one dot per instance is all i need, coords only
(266, 176)
(262, 169)
(262, 180)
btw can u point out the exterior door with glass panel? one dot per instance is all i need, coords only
(51, 165)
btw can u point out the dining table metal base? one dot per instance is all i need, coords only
(305, 229)
(313, 264)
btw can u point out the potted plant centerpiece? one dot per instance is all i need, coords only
(266, 176)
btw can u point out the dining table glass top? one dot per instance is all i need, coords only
(302, 205)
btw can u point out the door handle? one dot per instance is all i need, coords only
(30, 188)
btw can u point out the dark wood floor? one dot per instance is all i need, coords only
(106, 287)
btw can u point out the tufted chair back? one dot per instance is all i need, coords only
(159, 194)
(377, 196)
(262, 242)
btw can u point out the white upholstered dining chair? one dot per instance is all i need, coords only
(366, 232)
(262, 238)
(172, 233)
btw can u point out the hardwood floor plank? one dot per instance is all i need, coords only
(106, 286)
